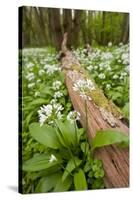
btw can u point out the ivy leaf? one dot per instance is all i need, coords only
(80, 180)
(45, 135)
(108, 137)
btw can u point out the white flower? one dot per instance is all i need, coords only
(29, 65)
(110, 44)
(73, 115)
(90, 67)
(108, 86)
(95, 67)
(58, 94)
(30, 85)
(108, 68)
(30, 76)
(115, 76)
(119, 61)
(52, 158)
(57, 107)
(101, 76)
(53, 101)
(125, 58)
(42, 119)
(41, 72)
(56, 85)
(59, 115)
(38, 81)
(83, 86)
(50, 69)
(48, 109)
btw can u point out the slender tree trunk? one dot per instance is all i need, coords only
(67, 24)
(76, 27)
(125, 28)
(55, 27)
(103, 28)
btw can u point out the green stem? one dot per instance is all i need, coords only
(87, 128)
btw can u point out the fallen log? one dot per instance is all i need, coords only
(102, 114)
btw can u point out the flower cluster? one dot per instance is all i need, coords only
(56, 85)
(50, 69)
(73, 116)
(48, 113)
(83, 86)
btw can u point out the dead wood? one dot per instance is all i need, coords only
(115, 160)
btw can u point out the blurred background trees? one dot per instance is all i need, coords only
(45, 27)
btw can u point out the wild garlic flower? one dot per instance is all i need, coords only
(52, 158)
(73, 116)
(115, 76)
(58, 94)
(90, 68)
(31, 85)
(56, 85)
(101, 76)
(108, 86)
(41, 72)
(83, 85)
(30, 76)
(50, 69)
(48, 113)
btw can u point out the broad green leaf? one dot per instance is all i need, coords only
(71, 165)
(39, 162)
(48, 182)
(45, 134)
(67, 131)
(108, 137)
(80, 180)
(62, 186)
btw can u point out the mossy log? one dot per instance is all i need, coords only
(101, 114)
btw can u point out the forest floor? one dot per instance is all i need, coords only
(45, 99)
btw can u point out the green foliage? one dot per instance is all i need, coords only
(67, 132)
(45, 135)
(80, 180)
(39, 162)
(108, 137)
(72, 164)
(56, 150)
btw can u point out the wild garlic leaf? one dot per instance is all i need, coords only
(108, 137)
(45, 135)
(80, 182)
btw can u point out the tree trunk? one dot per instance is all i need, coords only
(103, 28)
(76, 28)
(55, 27)
(102, 114)
(67, 24)
(125, 28)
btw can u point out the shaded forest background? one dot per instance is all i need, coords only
(45, 27)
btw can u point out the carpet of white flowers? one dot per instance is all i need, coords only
(45, 97)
